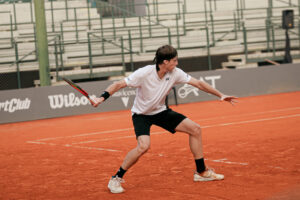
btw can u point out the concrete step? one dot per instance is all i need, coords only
(87, 71)
(238, 65)
(90, 73)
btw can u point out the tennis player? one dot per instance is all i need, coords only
(153, 83)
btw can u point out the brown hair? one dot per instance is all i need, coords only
(165, 52)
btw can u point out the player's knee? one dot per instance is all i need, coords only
(197, 130)
(143, 144)
(143, 148)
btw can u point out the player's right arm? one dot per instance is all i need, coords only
(111, 89)
(116, 86)
(133, 80)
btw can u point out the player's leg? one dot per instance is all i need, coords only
(143, 144)
(142, 130)
(195, 136)
(133, 155)
(195, 141)
(173, 121)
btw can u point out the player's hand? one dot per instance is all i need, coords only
(230, 99)
(95, 101)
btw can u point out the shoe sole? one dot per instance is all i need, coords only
(210, 179)
(207, 179)
(115, 192)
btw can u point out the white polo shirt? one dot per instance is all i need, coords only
(151, 91)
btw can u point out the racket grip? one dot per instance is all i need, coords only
(93, 100)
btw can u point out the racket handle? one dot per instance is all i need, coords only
(93, 100)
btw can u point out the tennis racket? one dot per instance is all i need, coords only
(79, 89)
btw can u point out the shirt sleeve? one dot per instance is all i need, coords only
(134, 79)
(181, 76)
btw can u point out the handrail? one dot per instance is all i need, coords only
(33, 52)
(89, 34)
(234, 27)
(132, 14)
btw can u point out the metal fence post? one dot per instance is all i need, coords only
(238, 14)
(56, 57)
(273, 41)
(122, 54)
(90, 51)
(130, 50)
(15, 14)
(183, 18)
(76, 25)
(245, 42)
(235, 27)
(35, 43)
(61, 52)
(11, 32)
(299, 33)
(17, 63)
(62, 32)
(177, 31)
(212, 29)
(113, 22)
(208, 48)
(66, 8)
(52, 17)
(268, 34)
(89, 14)
(156, 10)
(141, 34)
(178, 9)
(169, 36)
(101, 26)
(42, 42)
(31, 12)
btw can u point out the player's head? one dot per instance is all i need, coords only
(165, 52)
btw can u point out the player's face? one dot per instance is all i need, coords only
(171, 64)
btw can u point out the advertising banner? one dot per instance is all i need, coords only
(57, 101)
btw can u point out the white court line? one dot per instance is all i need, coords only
(86, 134)
(92, 148)
(74, 146)
(249, 114)
(154, 133)
(252, 121)
(209, 126)
(225, 160)
(116, 138)
(127, 129)
(111, 117)
(222, 117)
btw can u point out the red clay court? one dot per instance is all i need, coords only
(255, 144)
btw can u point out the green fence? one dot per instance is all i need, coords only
(80, 40)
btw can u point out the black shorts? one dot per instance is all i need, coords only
(167, 119)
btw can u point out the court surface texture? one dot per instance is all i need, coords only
(255, 144)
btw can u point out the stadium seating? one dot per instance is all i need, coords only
(82, 39)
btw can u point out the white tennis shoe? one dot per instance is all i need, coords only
(114, 185)
(208, 175)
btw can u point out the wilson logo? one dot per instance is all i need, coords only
(67, 101)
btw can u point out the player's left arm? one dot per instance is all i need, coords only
(201, 85)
